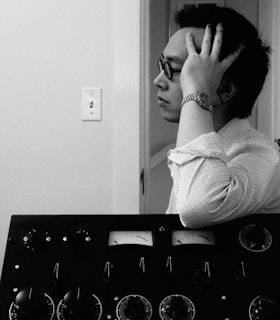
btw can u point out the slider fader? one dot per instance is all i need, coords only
(140, 267)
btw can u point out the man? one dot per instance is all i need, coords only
(211, 72)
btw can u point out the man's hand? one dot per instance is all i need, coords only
(203, 71)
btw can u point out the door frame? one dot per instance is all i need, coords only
(268, 116)
(145, 83)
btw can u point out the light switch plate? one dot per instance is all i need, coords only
(91, 104)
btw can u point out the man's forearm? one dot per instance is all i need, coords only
(194, 121)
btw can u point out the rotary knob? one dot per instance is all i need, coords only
(35, 240)
(77, 240)
(134, 307)
(32, 304)
(177, 307)
(255, 238)
(264, 309)
(79, 304)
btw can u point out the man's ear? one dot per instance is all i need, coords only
(227, 90)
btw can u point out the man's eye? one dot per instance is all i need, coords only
(175, 67)
(176, 70)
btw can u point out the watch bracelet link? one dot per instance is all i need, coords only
(193, 97)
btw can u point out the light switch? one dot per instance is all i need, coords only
(91, 104)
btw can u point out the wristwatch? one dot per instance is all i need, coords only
(201, 98)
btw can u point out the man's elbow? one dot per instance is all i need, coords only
(195, 216)
(204, 212)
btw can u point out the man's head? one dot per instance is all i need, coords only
(246, 75)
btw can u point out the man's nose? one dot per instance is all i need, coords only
(161, 81)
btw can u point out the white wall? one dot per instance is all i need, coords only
(127, 42)
(51, 162)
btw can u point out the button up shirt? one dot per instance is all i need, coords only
(221, 176)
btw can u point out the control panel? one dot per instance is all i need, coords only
(140, 267)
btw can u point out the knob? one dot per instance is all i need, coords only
(177, 307)
(34, 240)
(78, 239)
(107, 271)
(32, 304)
(134, 307)
(264, 309)
(79, 304)
(255, 238)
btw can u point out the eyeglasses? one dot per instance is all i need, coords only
(168, 70)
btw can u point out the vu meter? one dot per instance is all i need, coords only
(180, 237)
(131, 237)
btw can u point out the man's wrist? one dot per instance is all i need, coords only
(201, 98)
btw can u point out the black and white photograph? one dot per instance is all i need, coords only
(140, 160)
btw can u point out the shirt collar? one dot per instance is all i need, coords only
(234, 129)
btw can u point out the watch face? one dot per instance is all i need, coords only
(204, 99)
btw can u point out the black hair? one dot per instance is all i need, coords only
(250, 69)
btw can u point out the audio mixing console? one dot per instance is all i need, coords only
(140, 267)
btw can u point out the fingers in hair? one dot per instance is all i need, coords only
(228, 61)
(206, 42)
(218, 41)
(189, 43)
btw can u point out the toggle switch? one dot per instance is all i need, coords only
(107, 271)
(91, 104)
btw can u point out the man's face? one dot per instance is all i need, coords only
(170, 93)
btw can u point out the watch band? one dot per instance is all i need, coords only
(201, 98)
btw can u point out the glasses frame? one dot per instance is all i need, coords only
(167, 69)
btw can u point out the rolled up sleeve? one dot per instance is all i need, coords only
(209, 187)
